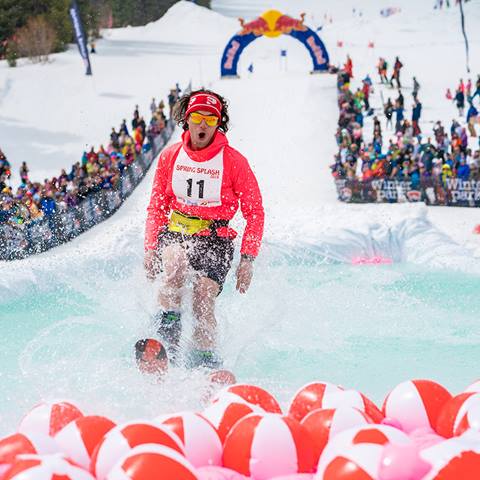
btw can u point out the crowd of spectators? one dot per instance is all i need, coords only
(99, 169)
(404, 153)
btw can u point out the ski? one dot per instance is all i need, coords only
(152, 358)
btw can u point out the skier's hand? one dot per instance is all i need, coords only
(244, 274)
(151, 264)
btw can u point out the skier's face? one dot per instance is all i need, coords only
(200, 133)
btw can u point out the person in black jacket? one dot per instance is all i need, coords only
(460, 101)
(388, 110)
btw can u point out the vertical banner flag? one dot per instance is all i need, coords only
(462, 16)
(80, 35)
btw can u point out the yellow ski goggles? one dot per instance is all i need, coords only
(210, 120)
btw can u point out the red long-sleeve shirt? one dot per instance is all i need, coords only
(238, 186)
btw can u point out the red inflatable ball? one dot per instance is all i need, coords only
(224, 414)
(268, 445)
(298, 476)
(323, 424)
(122, 438)
(148, 462)
(416, 404)
(452, 419)
(326, 395)
(310, 397)
(79, 438)
(455, 459)
(252, 394)
(48, 467)
(473, 387)
(401, 462)
(219, 473)
(363, 446)
(49, 417)
(19, 443)
(357, 462)
(202, 443)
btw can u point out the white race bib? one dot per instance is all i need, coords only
(198, 183)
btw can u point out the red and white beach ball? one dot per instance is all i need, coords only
(470, 419)
(252, 394)
(48, 467)
(79, 438)
(219, 473)
(20, 443)
(122, 438)
(416, 404)
(473, 387)
(223, 414)
(49, 417)
(364, 445)
(297, 476)
(324, 424)
(199, 437)
(355, 462)
(457, 458)
(310, 397)
(453, 419)
(267, 445)
(325, 395)
(150, 461)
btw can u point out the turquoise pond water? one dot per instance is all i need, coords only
(69, 334)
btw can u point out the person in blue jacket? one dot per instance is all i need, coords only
(399, 117)
(416, 114)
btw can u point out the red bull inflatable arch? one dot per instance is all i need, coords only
(273, 24)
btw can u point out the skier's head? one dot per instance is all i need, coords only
(202, 100)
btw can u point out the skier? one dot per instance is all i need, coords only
(198, 186)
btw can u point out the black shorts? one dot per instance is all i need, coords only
(211, 256)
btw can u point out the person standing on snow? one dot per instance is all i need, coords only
(416, 88)
(416, 113)
(460, 101)
(388, 110)
(396, 72)
(198, 186)
(348, 67)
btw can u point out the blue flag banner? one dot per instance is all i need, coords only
(283, 53)
(80, 35)
(250, 68)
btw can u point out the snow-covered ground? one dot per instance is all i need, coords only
(284, 121)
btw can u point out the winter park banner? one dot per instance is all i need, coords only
(20, 241)
(453, 192)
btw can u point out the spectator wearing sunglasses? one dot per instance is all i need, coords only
(199, 184)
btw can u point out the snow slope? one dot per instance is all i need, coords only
(284, 122)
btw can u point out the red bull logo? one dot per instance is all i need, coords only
(258, 27)
(286, 24)
(272, 24)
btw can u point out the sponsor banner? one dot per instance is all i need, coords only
(316, 48)
(80, 35)
(453, 192)
(273, 23)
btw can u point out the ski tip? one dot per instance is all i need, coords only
(151, 356)
(222, 377)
